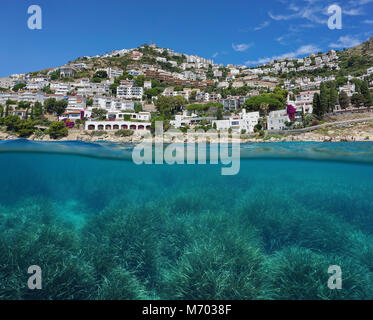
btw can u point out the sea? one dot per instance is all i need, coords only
(295, 223)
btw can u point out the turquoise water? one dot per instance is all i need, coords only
(101, 227)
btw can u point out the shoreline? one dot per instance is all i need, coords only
(137, 139)
(333, 132)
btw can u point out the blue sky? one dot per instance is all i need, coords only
(235, 31)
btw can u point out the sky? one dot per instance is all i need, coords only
(243, 32)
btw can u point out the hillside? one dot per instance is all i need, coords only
(356, 60)
(365, 49)
(348, 62)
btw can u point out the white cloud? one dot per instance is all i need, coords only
(345, 42)
(282, 17)
(368, 21)
(360, 2)
(293, 7)
(310, 12)
(241, 47)
(353, 12)
(215, 54)
(265, 24)
(303, 50)
(280, 39)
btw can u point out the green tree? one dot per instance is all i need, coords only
(333, 97)
(49, 105)
(153, 92)
(47, 90)
(263, 103)
(89, 102)
(281, 93)
(324, 99)
(26, 128)
(12, 123)
(166, 123)
(38, 109)
(19, 86)
(7, 106)
(102, 74)
(96, 80)
(192, 96)
(168, 106)
(341, 81)
(357, 99)
(55, 75)
(113, 87)
(343, 99)
(58, 130)
(60, 107)
(368, 101)
(219, 113)
(139, 81)
(99, 113)
(138, 106)
(316, 106)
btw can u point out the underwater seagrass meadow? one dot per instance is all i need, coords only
(105, 228)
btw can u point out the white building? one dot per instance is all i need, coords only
(161, 59)
(71, 115)
(6, 82)
(114, 73)
(76, 103)
(141, 116)
(117, 125)
(80, 66)
(34, 86)
(242, 122)
(348, 88)
(304, 100)
(112, 104)
(67, 71)
(60, 88)
(147, 84)
(130, 92)
(276, 120)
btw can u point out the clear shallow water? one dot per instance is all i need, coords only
(101, 227)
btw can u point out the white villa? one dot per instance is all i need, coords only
(276, 120)
(304, 100)
(112, 104)
(130, 92)
(117, 125)
(141, 116)
(243, 121)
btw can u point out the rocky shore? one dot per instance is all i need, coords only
(355, 132)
